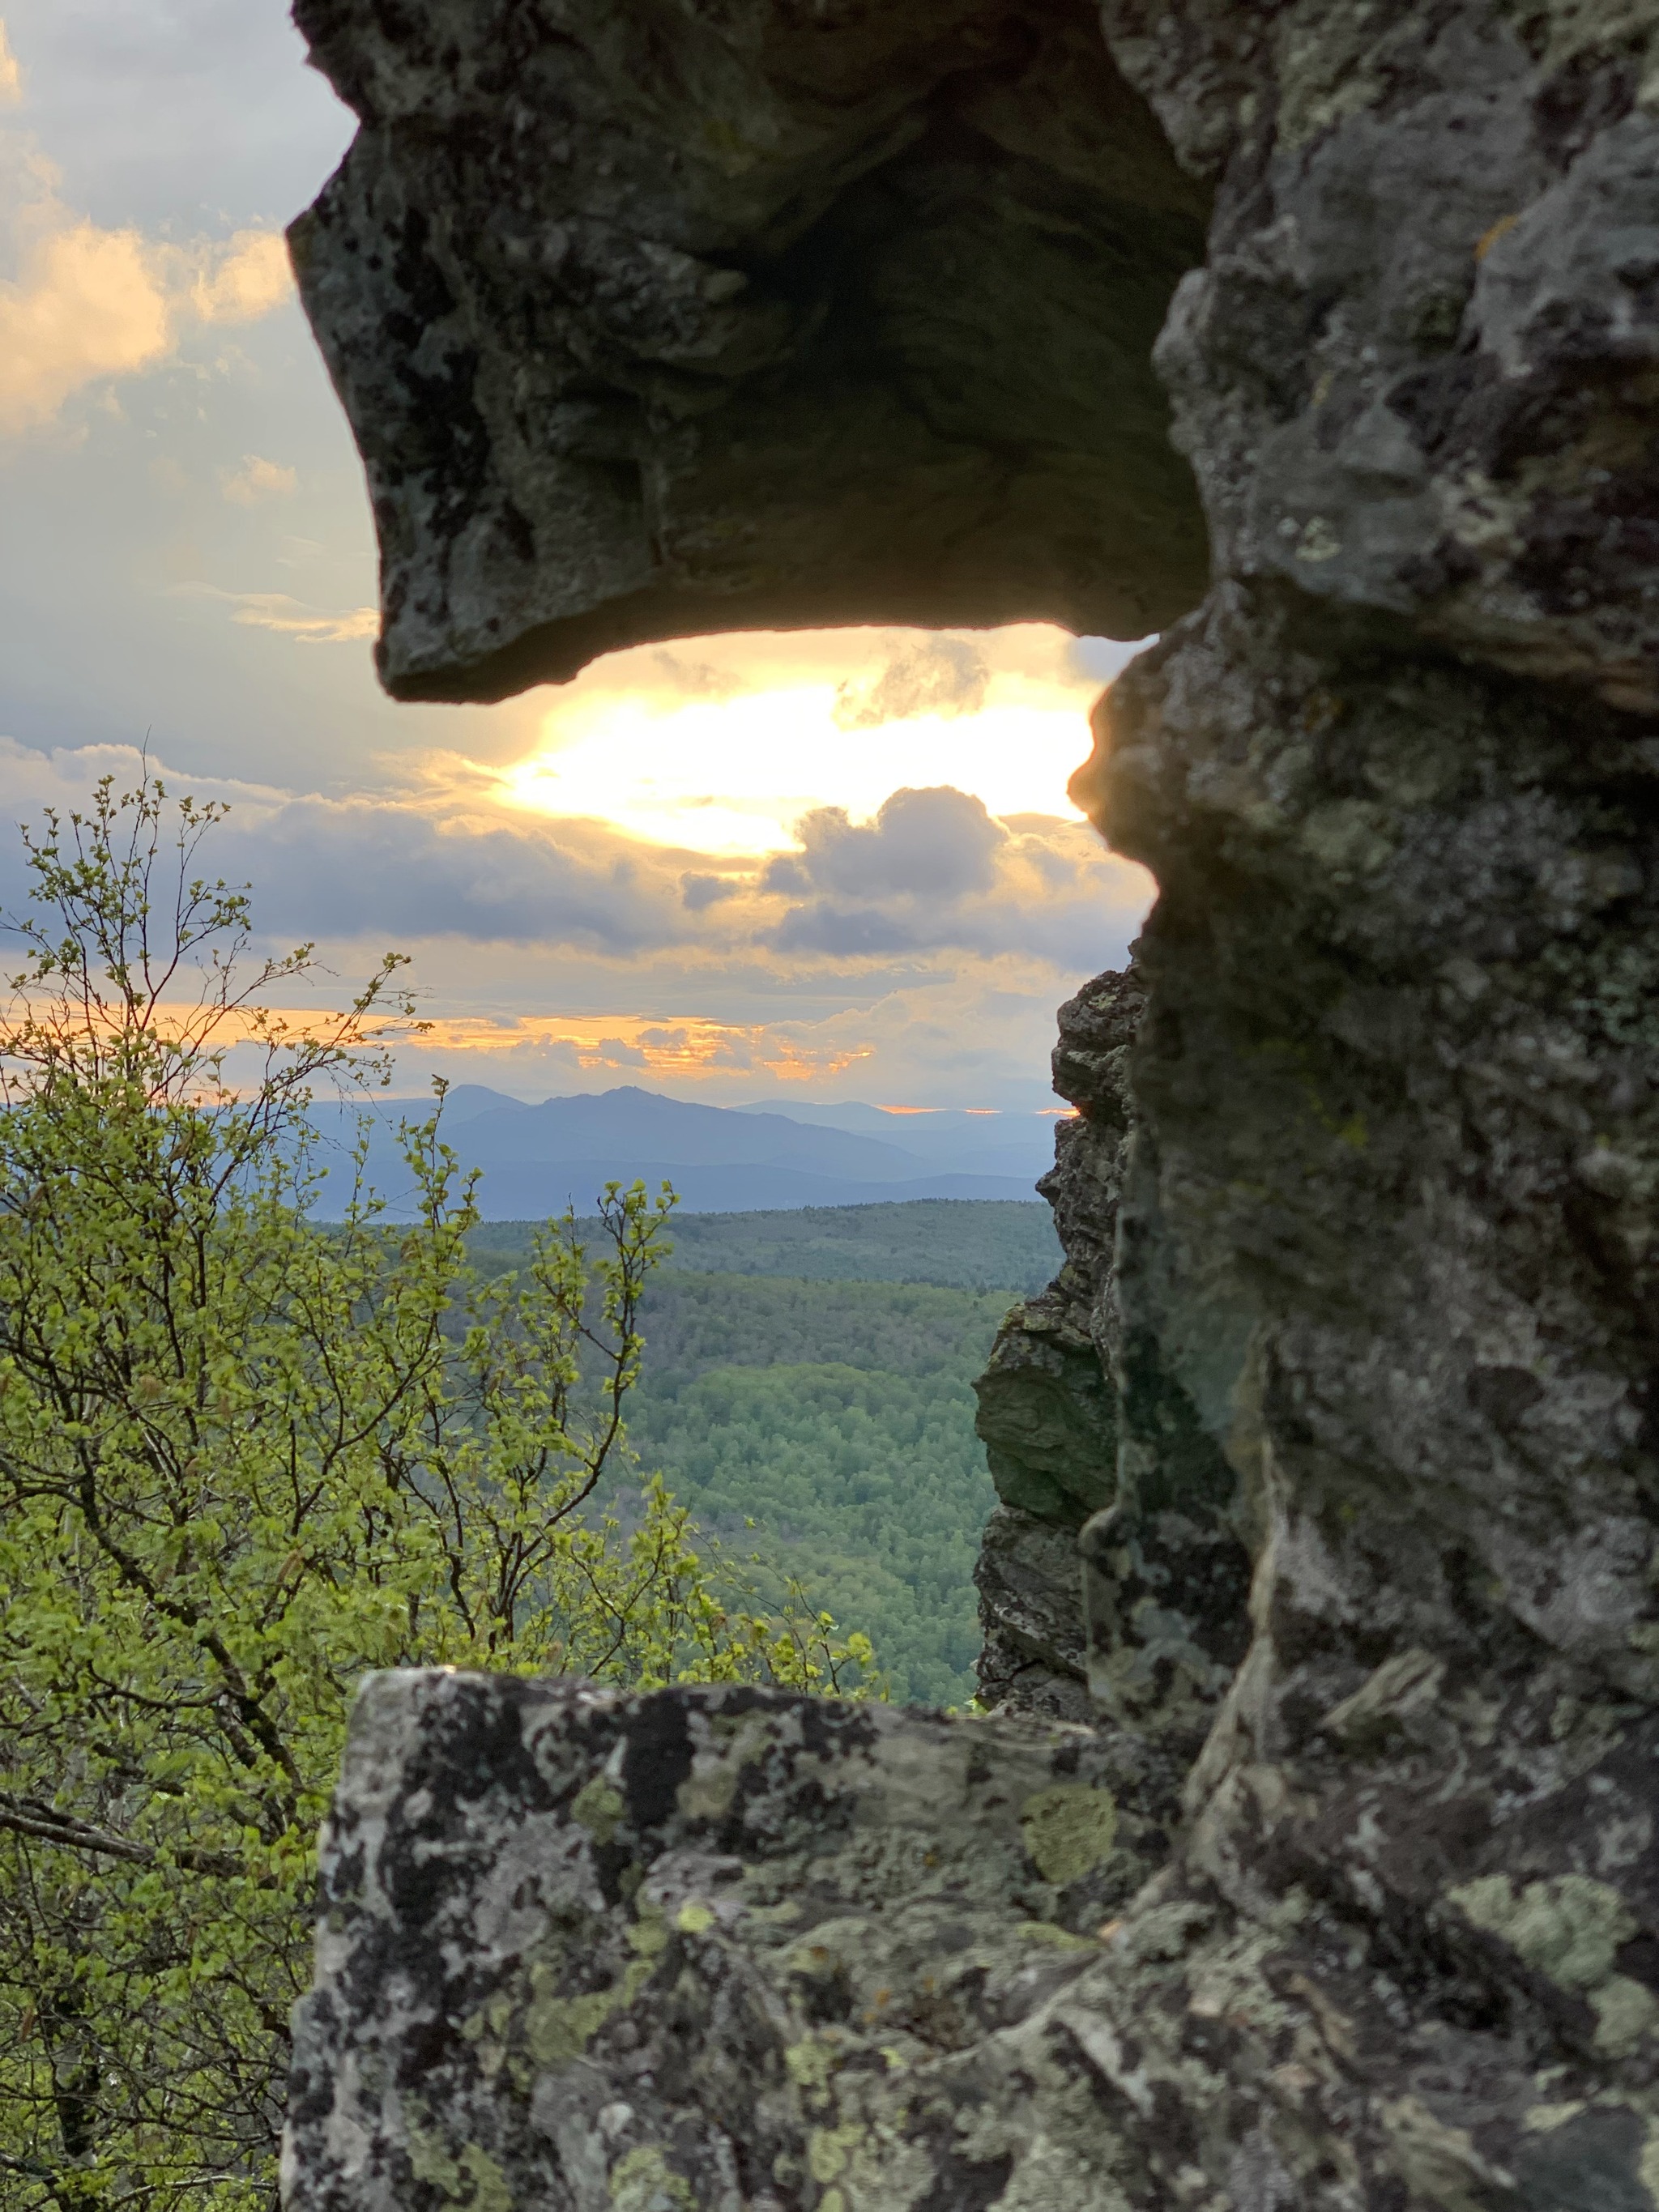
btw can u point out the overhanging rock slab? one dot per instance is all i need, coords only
(652, 322)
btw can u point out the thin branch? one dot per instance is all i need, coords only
(27, 1816)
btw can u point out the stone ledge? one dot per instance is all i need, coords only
(710, 1947)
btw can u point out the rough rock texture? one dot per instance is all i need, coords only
(1033, 1659)
(1396, 1153)
(657, 320)
(1047, 1402)
(1387, 1232)
(1080, 1413)
(712, 1949)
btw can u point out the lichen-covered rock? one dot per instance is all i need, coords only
(1048, 1411)
(729, 1949)
(1388, 1212)
(712, 1949)
(1416, 374)
(652, 321)
(1033, 1660)
(1048, 1416)
(1081, 1417)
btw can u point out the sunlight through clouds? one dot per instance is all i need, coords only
(917, 956)
(806, 864)
(727, 753)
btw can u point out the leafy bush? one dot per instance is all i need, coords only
(242, 1460)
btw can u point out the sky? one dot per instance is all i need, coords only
(831, 864)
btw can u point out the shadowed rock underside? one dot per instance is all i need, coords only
(654, 320)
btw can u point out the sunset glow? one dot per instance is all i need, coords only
(681, 1048)
(825, 719)
(807, 864)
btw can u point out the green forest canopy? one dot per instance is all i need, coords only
(806, 1390)
(973, 1244)
(244, 1458)
(838, 1418)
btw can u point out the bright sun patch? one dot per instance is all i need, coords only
(726, 758)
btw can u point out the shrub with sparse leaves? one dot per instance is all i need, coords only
(243, 1459)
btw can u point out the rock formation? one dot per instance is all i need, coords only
(1077, 1414)
(707, 1948)
(612, 294)
(1383, 1306)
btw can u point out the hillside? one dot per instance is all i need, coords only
(807, 1391)
(1004, 1246)
(533, 1160)
(829, 1427)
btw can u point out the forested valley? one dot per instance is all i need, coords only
(806, 1390)
(825, 1429)
(248, 1455)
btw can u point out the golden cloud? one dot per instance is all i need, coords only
(11, 77)
(723, 746)
(276, 610)
(241, 280)
(685, 1049)
(90, 305)
(258, 479)
(86, 307)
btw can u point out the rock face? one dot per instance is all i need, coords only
(1107, 1476)
(1383, 1305)
(614, 295)
(710, 1947)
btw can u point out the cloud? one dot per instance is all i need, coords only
(390, 868)
(11, 76)
(89, 305)
(360, 867)
(288, 618)
(700, 892)
(925, 948)
(86, 305)
(936, 844)
(724, 745)
(241, 280)
(932, 876)
(940, 676)
(934, 872)
(257, 479)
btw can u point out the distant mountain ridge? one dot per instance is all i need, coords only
(537, 1159)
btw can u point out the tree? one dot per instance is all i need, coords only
(244, 1458)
